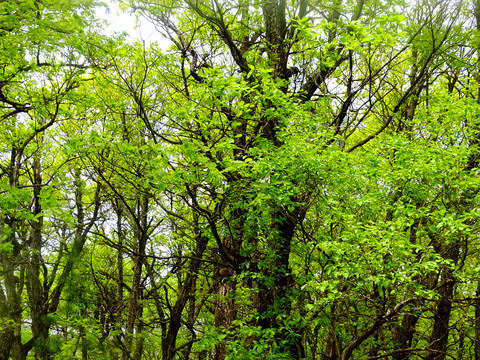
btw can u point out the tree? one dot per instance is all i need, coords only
(257, 78)
(289, 180)
(43, 63)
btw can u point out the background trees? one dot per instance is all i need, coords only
(45, 215)
(288, 180)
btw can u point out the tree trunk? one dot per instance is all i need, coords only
(184, 294)
(118, 206)
(37, 296)
(332, 347)
(135, 306)
(403, 336)
(10, 339)
(275, 299)
(477, 322)
(225, 311)
(439, 336)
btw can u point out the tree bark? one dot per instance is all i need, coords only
(477, 323)
(37, 296)
(274, 296)
(135, 307)
(437, 349)
(439, 336)
(225, 311)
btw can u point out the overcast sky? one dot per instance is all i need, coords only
(120, 21)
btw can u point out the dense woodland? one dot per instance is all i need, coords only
(285, 180)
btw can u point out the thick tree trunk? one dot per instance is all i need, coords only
(225, 308)
(273, 299)
(225, 311)
(439, 337)
(10, 339)
(477, 322)
(134, 305)
(37, 295)
(118, 206)
(11, 299)
(139, 339)
(403, 336)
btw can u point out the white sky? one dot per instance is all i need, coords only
(137, 29)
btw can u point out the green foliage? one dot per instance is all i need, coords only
(285, 181)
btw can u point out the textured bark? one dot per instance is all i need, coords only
(272, 299)
(275, 31)
(10, 339)
(402, 336)
(224, 306)
(118, 206)
(37, 295)
(11, 301)
(227, 264)
(439, 337)
(477, 323)
(140, 340)
(135, 307)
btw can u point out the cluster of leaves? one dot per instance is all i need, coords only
(288, 180)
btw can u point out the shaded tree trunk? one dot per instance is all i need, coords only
(225, 312)
(186, 292)
(37, 295)
(133, 344)
(477, 322)
(274, 295)
(10, 339)
(224, 285)
(332, 347)
(403, 336)
(439, 337)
